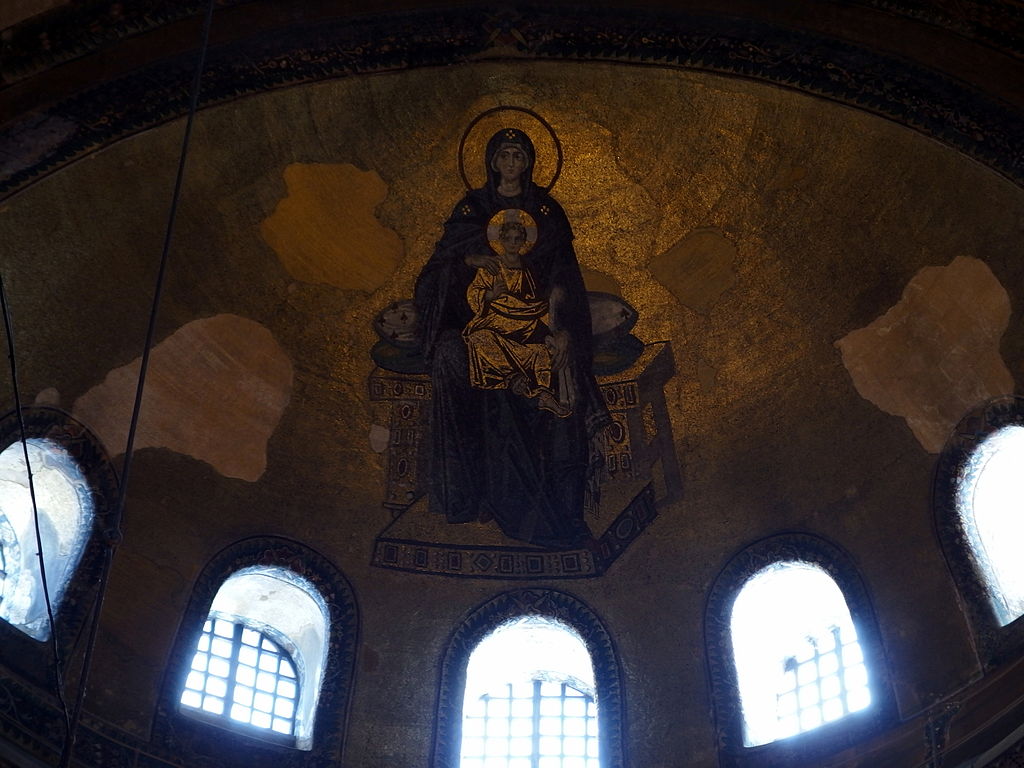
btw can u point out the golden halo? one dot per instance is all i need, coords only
(476, 142)
(511, 216)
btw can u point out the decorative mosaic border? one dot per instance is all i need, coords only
(995, 643)
(483, 562)
(519, 563)
(31, 723)
(19, 652)
(814, 745)
(1011, 758)
(196, 743)
(75, 30)
(512, 605)
(67, 33)
(931, 103)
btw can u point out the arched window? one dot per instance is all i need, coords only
(797, 670)
(259, 662)
(978, 488)
(65, 506)
(530, 680)
(269, 621)
(798, 662)
(530, 699)
(989, 502)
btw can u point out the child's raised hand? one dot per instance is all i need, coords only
(498, 289)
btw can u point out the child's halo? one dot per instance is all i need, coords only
(511, 216)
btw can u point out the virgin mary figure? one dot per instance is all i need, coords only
(495, 454)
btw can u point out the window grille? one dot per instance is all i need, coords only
(798, 661)
(826, 681)
(533, 724)
(241, 675)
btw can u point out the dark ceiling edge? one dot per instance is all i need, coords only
(71, 31)
(933, 104)
(999, 25)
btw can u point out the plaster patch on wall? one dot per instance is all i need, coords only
(215, 391)
(325, 230)
(698, 269)
(935, 354)
(48, 397)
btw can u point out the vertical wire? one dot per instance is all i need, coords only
(54, 645)
(113, 533)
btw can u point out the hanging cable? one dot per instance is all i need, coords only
(113, 532)
(58, 666)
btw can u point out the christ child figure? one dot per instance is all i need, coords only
(508, 340)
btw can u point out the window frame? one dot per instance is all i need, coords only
(504, 607)
(19, 652)
(197, 739)
(827, 739)
(225, 720)
(995, 643)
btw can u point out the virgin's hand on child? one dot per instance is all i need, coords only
(486, 261)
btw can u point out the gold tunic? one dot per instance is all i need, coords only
(496, 337)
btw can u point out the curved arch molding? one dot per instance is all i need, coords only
(996, 644)
(933, 104)
(179, 735)
(504, 607)
(17, 650)
(811, 747)
(31, 724)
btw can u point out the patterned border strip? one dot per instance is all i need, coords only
(995, 643)
(812, 746)
(31, 725)
(79, 28)
(506, 607)
(76, 30)
(1011, 758)
(483, 562)
(931, 103)
(519, 563)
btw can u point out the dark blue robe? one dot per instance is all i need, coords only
(494, 453)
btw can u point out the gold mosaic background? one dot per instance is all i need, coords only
(755, 228)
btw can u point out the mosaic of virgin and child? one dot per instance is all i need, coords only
(508, 340)
(504, 328)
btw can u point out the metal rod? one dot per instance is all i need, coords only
(113, 533)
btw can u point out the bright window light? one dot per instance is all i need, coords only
(530, 699)
(65, 507)
(242, 674)
(990, 499)
(260, 659)
(799, 664)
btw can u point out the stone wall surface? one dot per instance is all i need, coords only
(756, 228)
